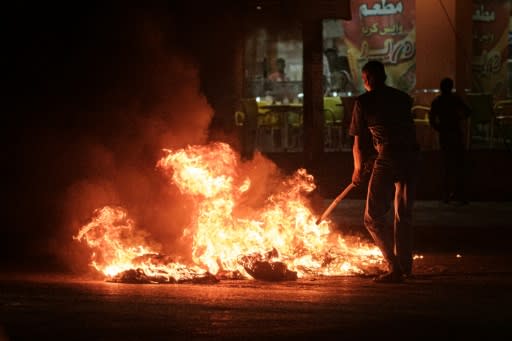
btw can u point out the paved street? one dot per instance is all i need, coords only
(468, 296)
(461, 288)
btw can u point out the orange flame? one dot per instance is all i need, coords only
(220, 237)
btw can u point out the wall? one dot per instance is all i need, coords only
(443, 42)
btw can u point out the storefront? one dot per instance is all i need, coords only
(302, 66)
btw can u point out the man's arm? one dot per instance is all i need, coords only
(358, 162)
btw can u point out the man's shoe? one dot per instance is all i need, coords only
(462, 202)
(390, 277)
(448, 198)
(408, 276)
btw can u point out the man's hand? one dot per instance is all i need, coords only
(362, 175)
(363, 163)
(357, 178)
(368, 168)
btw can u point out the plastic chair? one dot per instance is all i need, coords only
(295, 131)
(329, 127)
(333, 120)
(247, 119)
(265, 124)
(425, 134)
(481, 121)
(348, 105)
(503, 121)
(420, 112)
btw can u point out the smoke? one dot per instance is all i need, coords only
(157, 105)
(102, 95)
(97, 96)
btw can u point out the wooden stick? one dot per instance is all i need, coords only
(335, 202)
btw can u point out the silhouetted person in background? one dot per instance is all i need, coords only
(448, 114)
(279, 74)
(382, 117)
(278, 83)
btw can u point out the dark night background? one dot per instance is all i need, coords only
(94, 92)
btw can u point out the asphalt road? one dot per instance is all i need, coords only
(451, 295)
(462, 289)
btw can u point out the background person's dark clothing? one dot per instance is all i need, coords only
(448, 113)
(385, 114)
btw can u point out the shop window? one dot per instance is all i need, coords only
(273, 80)
(273, 65)
(491, 22)
(378, 30)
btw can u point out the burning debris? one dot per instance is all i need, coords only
(159, 266)
(227, 243)
(138, 276)
(264, 268)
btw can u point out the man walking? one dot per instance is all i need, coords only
(382, 122)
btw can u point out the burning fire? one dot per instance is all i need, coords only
(280, 238)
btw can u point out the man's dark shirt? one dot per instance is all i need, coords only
(383, 117)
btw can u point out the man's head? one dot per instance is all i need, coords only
(280, 64)
(446, 85)
(374, 74)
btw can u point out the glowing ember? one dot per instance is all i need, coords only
(282, 234)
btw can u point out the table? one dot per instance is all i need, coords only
(283, 110)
